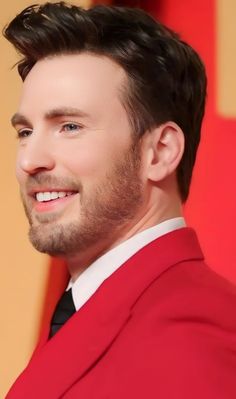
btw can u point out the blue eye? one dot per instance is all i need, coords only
(70, 127)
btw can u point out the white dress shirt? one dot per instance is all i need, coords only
(90, 280)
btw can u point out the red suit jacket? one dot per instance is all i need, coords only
(162, 326)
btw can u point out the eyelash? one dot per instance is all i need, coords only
(23, 133)
(76, 125)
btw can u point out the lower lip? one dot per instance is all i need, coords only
(53, 205)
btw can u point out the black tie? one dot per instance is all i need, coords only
(64, 310)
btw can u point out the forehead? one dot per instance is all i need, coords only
(74, 80)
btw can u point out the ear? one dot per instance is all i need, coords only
(166, 148)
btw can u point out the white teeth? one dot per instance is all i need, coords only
(40, 197)
(61, 194)
(48, 196)
(54, 195)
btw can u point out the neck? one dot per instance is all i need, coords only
(153, 213)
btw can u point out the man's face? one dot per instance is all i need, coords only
(78, 166)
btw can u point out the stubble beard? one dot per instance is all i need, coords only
(102, 213)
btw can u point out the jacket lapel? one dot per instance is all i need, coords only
(64, 359)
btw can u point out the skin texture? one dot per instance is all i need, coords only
(75, 136)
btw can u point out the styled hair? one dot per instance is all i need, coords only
(166, 77)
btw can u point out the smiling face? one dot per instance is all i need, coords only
(78, 165)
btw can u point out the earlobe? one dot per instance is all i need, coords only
(167, 144)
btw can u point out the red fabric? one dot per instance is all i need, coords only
(162, 326)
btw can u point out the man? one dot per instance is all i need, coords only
(109, 124)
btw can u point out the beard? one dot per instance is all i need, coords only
(102, 212)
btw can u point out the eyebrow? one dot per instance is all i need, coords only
(19, 119)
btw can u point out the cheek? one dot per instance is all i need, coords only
(92, 161)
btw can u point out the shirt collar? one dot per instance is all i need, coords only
(90, 280)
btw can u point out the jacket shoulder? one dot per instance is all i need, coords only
(191, 289)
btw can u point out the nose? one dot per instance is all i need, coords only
(35, 155)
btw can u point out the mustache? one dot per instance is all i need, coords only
(46, 179)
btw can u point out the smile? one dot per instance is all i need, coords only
(46, 196)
